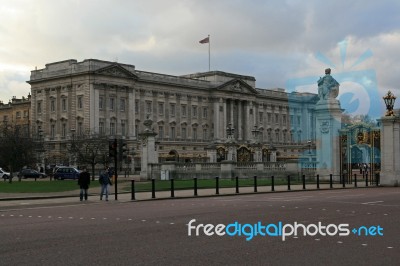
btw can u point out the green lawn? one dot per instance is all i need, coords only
(41, 186)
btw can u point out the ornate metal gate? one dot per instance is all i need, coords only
(360, 151)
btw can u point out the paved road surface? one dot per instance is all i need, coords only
(156, 232)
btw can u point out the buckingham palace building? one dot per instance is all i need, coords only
(191, 113)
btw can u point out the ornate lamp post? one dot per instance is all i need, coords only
(309, 146)
(389, 102)
(255, 132)
(230, 131)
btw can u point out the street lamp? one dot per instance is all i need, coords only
(255, 132)
(389, 99)
(230, 131)
(309, 146)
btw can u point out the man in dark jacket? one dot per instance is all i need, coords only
(84, 182)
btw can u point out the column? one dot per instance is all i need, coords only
(390, 151)
(239, 114)
(216, 119)
(225, 119)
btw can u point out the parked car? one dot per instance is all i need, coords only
(4, 174)
(30, 173)
(65, 172)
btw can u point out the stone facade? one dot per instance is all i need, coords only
(16, 114)
(188, 112)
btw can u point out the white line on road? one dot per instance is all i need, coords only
(372, 202)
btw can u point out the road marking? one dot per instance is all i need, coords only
(389, 247)
(340, 242)
(372, 202)
(364, 245)
(171, 223)
(317, 239)
(143, 220)
(385, 214)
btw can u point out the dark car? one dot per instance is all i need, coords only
(65, 172)
(30, 173)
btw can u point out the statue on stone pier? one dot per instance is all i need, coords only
(328, 87)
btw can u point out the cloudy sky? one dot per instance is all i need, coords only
(278, 42)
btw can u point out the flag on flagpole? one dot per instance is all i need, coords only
(205, 40)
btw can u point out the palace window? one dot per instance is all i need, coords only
(101, 102)
(205, 134)
(64, 130)
(80, 102)
(172, 109)
(64, 104)
(122, 104)
(194, 133)
(172, 135)
(52, 105)
(80, 129)
(183, 135)
(160, 132)
(161, 108)
(183, 110)
(112, 103)
(123, 127)
(39, 107)
(112, 128)
(205, 112)
(194, 111)
(101, 127)
(52, 131)
(148, 107)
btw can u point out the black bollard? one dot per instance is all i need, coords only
(344, 180)
(355, 180)
(172, 188)
(255, 183)
(330, 181)
(153, 188)
(217, 185)
(133, 190)
(317, 181)
(366, 180)
(304, 181)
(377, 179)
(273, 183)
(288, 182)
(195, 186)
(237, 184)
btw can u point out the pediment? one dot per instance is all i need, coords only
(116, 71)
(237, 86)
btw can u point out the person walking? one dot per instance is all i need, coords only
(84, 182)
(104, 181)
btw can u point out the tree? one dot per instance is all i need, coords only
(89, 149)
(17, 150)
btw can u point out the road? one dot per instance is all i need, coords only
(156, 232)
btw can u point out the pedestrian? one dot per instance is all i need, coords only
(104, 181)
(84, 182)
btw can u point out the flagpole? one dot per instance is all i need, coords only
(209, 57)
